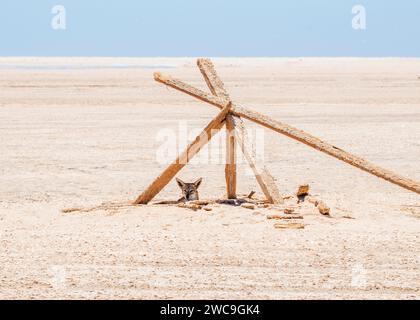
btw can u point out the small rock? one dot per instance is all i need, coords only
(207, 209)
(323, 208)
(303, 190)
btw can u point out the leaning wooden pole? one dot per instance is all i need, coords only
(264, 178)
(294, 133)
(217, 88)
(192, 149)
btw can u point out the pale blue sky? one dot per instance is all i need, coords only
(209, 28)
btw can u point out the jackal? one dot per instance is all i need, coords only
(189, 190)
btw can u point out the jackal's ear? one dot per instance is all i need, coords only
(198, 182)
(180, 182)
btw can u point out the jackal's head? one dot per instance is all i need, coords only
(189, 190)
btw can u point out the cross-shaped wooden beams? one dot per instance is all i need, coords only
(231, 115)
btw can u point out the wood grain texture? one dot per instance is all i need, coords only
(192, 149)
(230, 167)
(295, 134)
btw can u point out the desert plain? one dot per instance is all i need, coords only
(81, 132)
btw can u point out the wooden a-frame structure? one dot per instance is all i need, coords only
(230, 115)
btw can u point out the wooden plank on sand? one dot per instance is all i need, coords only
(192, 149)
(294, 133)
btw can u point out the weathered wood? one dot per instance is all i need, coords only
(294, 133)
(192, 149)
(323, 208)
(230, 168)
(213, 81)
(264, 178)
(283, 217)
(217, 88)
(289, 225)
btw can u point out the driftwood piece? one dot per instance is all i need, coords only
(217, 88)
(294, 133)
(323, 208)
(247, 205)
(188, 205)
(192, 149)
(289, 226)
(283, 217)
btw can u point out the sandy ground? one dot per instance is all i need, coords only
(80, 132)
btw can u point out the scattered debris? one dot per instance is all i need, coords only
(189, 205)
(282, 217)
(202, 202)
(312, 200)
(348, 217)
(232, 202)
(323, 208)
(68, 210)
(289, 210)
(289, 225)
(107, 206)
(250, 195)
(303, 190)
(248, 206)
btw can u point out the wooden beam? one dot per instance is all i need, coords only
(217, 88)
(294, 133)
(230, 168)
(264, 178)
(213, 81)
(192, 149)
